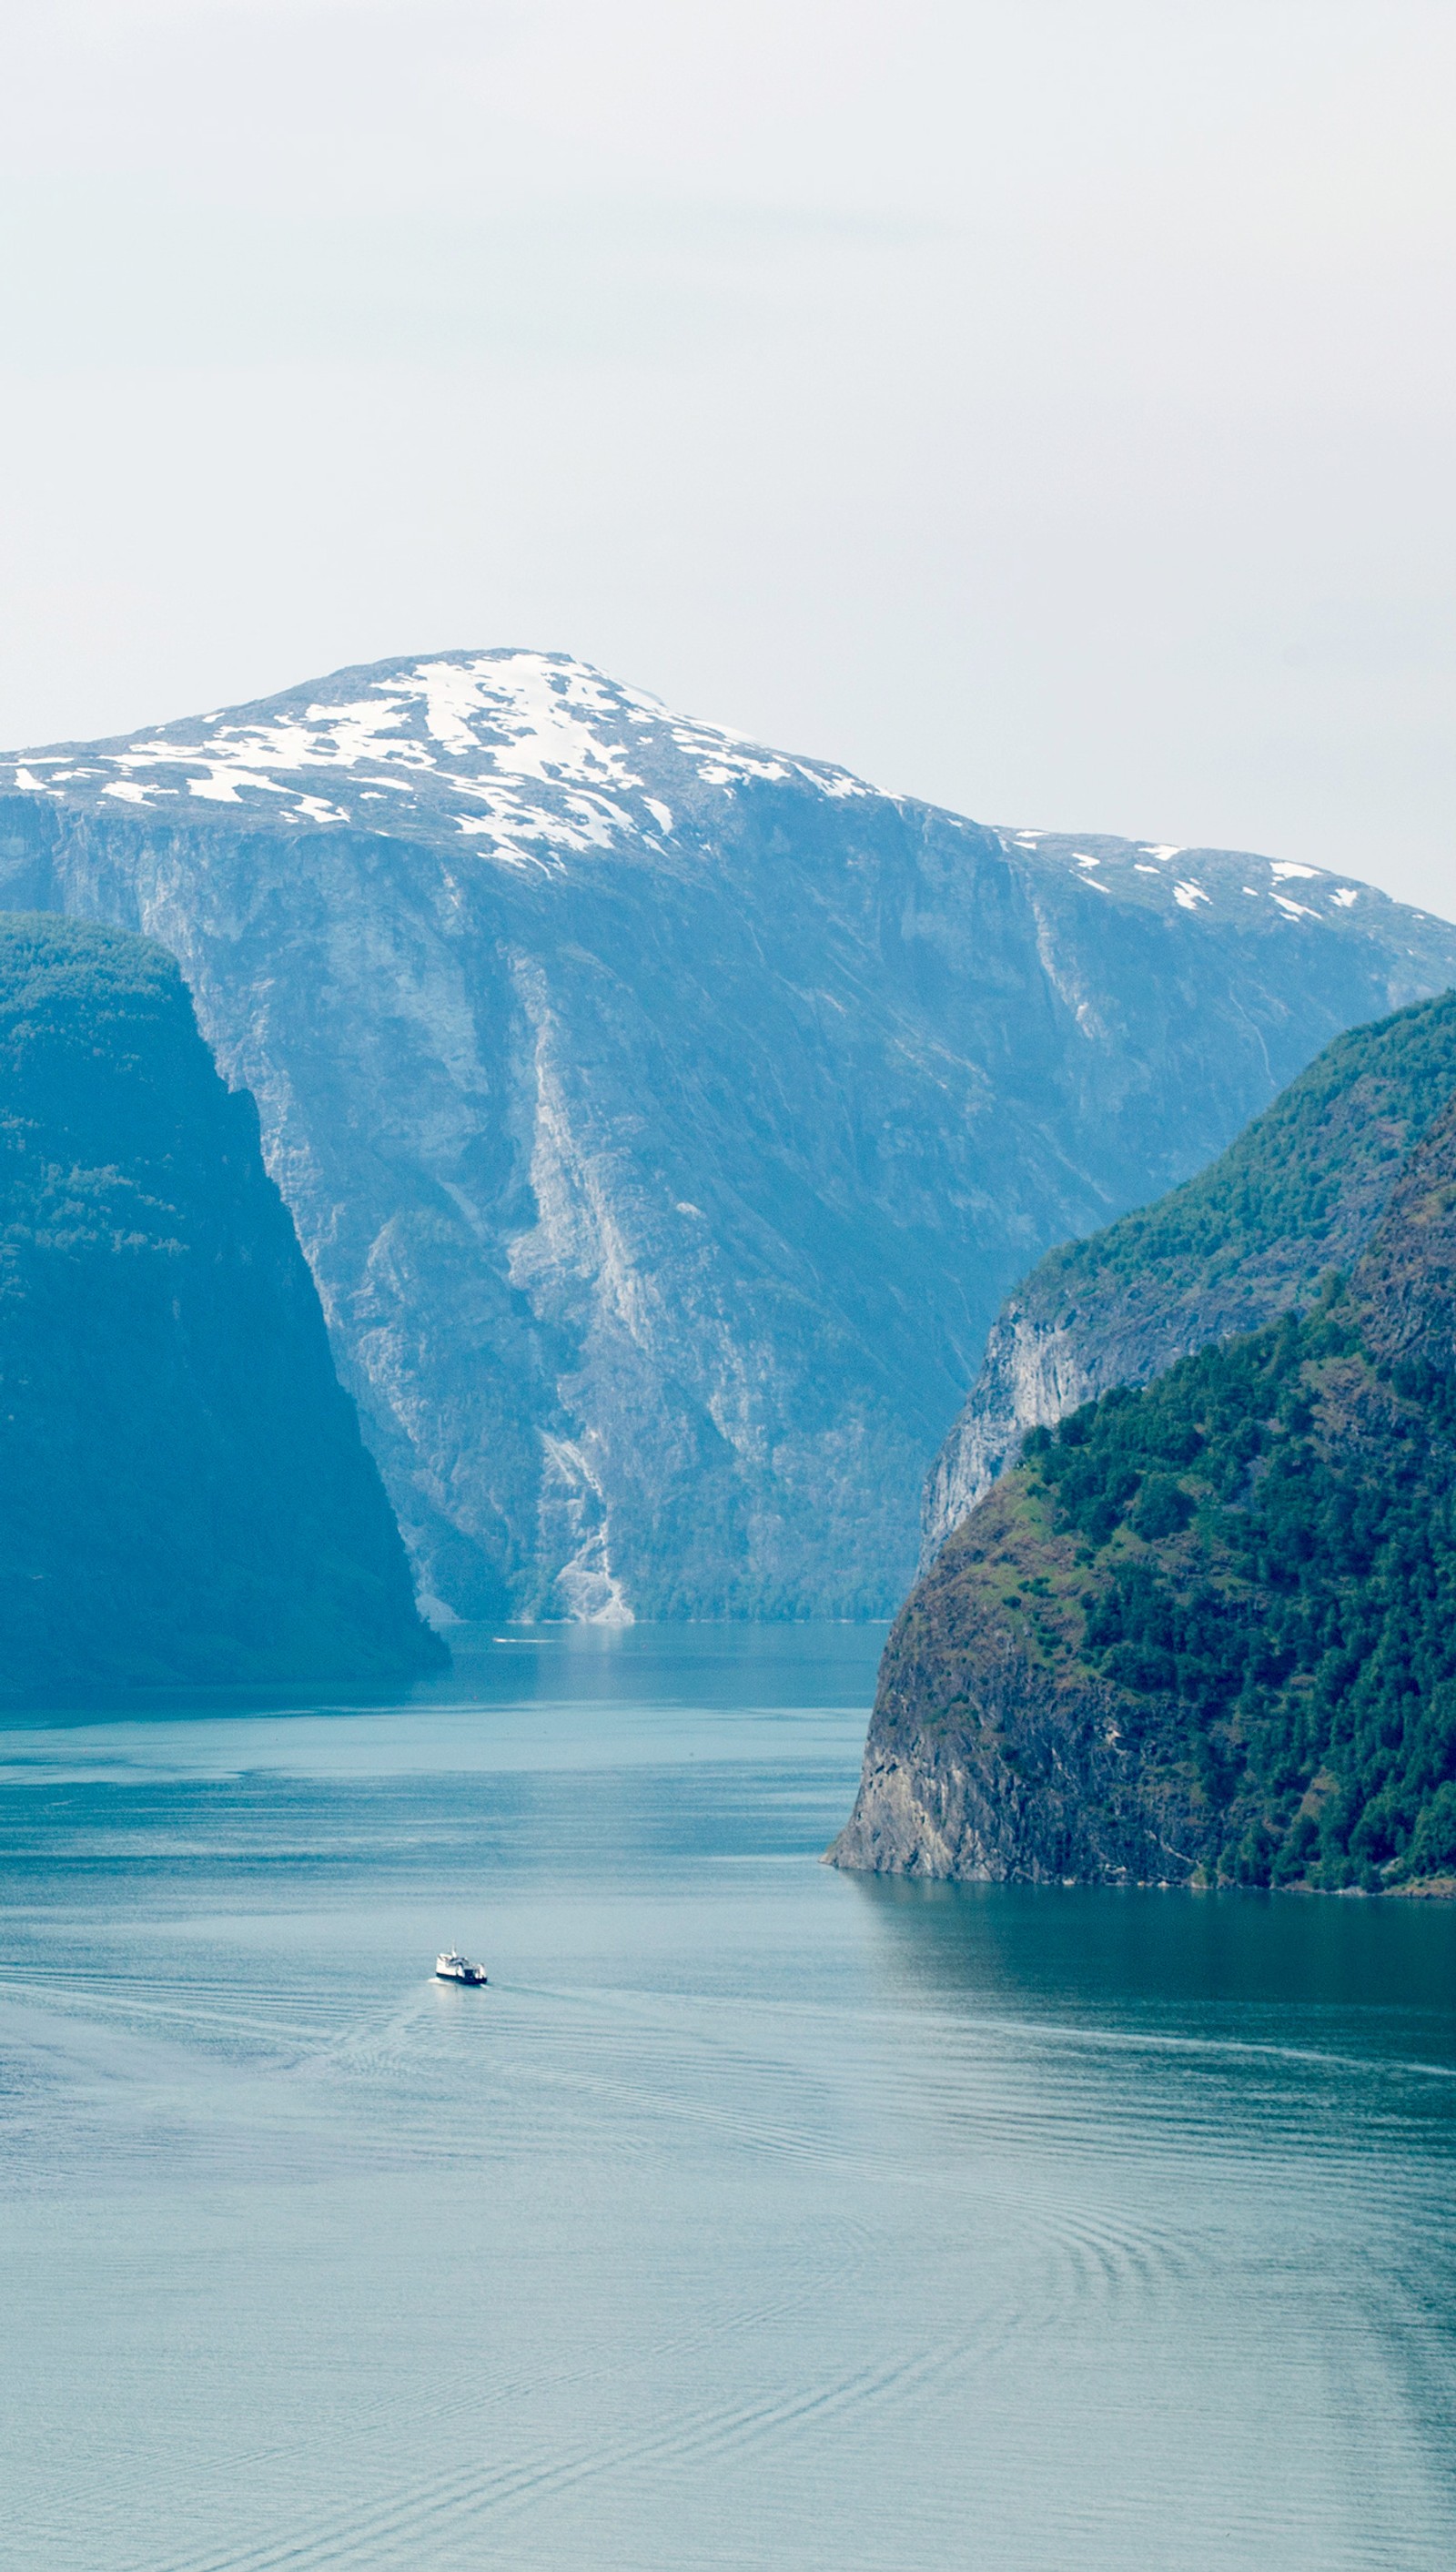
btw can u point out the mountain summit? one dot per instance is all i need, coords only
(664, 1116)
(538, 757)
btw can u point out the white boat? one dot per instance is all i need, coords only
(454, 1968)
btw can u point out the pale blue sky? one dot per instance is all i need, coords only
(1044, 409)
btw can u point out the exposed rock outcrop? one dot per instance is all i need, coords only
(993, 1759)
(664, 1117)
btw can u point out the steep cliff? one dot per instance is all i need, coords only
(1300, 1192)
(184, 1493)
(663, 1117)
(1205, 1630)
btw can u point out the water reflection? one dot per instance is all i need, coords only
(1340, 1975)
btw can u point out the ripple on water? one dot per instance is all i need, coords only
(750, 2217)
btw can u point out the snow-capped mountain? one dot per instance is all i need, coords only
(535, 756)
(663, 1116)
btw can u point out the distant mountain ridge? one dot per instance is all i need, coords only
(183, 1493)
(664, 1117)
(1205, 1632)
(1300, 1192)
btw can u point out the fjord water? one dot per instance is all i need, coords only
(753, 2215)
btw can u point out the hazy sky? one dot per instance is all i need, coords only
(1046, 408)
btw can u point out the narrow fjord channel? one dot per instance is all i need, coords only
(755, 2214)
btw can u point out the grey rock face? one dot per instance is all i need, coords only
(987, 1762)
(664, 1117)
(1035, 1369)
(1038, 1787)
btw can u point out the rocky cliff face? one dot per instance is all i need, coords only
(664, 1117)
(184, 1493)
(1207, 1630)
(1300, 1192)
(989, 1761)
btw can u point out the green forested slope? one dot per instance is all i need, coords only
(1207, 1627)
(183, 1493)
(1302, 1186)
(1301, 1192)
(1267, 1571)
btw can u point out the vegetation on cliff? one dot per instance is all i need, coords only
(1299, 1192)
(1266, 1572)
(1208, 1627)
(184, 1493)
(1300, 1188)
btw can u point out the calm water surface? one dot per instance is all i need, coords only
(755, 2216)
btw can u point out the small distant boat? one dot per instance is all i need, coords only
(456, 1968)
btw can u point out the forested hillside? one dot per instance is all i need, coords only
(1301, 1192)
(1207, 1628)
(183, 1493)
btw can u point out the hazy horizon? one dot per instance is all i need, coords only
(1041, 410)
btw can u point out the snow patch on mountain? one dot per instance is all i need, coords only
(664, 1115)
(551, 751)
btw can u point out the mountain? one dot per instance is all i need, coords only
(184, 1492)
(664, 1117)
(1205, 1632)
(1300, 1192)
